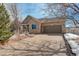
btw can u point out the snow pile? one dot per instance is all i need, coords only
(74, 46)
(76, 51)
(71, 36)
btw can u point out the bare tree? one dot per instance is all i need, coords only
(75, 9)
(59, 9)
(15, 13)
(54, 10)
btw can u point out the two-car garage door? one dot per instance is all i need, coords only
(52, 29)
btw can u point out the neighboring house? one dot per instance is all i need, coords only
(45, 25)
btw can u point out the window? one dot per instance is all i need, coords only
(33, 26)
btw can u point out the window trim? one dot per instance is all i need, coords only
(34, 26)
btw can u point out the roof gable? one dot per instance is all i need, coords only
(43, 20)
(28, 18)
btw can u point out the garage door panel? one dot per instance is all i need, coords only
(52, 29)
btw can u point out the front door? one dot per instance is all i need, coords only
(28, 28)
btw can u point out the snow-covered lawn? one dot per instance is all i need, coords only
(73, 41)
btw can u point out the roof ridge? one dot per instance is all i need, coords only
(30, 17)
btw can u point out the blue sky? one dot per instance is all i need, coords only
(38, 13)
(34, 9)
(31, 9)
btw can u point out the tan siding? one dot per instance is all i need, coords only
(37, 30)
(41, 25)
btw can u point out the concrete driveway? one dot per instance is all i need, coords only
(39, 44)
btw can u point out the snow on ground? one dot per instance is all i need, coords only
(71, 36)
(72, 40)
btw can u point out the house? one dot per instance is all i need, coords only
(44, 25)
